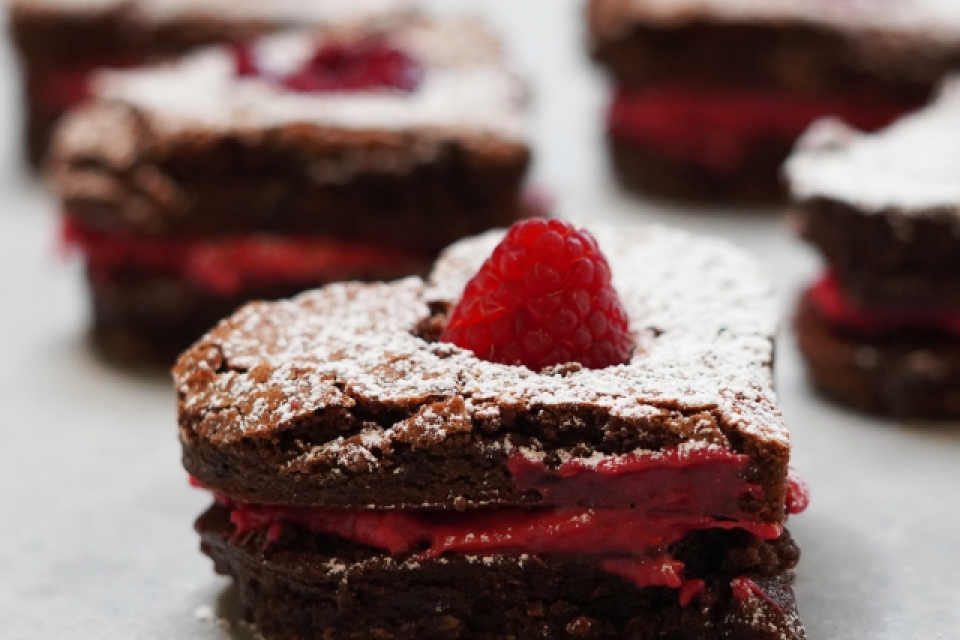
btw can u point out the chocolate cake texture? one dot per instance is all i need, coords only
(883, 208)
(341, 401)
(193, 148)
(866, 61)
(334, 394)
(60, 42)
(196, 152)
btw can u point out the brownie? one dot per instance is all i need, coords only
(262, 145)
(355, 459)
(61, 42)
(880, 331)
(425, 423)
(908, 373)
(307, 586)
(747, 78)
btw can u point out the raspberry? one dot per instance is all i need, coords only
(341, 67)
(543, 298)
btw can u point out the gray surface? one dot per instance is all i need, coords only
(96, 538)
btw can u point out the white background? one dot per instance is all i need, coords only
(96, 517)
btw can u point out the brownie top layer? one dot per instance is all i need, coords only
(929, 19)
(703, 314)
(465, 87)
(166, 11)
(910, 167)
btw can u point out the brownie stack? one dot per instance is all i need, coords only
(258, 171)
(372, 482)
(62, 42)
(711, 94)
(881, 329)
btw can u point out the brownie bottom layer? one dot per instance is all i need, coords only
(910, 374)
(304, 586)
(648, 171)
(149, 319)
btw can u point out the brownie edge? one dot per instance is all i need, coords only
(911, 374)
(891, 257)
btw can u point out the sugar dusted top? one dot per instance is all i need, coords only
(703, 313)
(911, 166)
(465, 87)
(933, 19)
(274, 11)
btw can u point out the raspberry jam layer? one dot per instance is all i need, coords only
(839, 311)
(627, 542)
(367, 65)
(224, 266)
(698, 481)
(674, 493)
(715, 129)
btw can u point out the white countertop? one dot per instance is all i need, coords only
(96, 537)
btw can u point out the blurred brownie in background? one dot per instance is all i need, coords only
(61, 42)
(881, 329)
(261, 170)
(711, 94)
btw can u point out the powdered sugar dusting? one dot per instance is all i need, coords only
(704, 313)
(280, 12)
(909, 166)
(466, 89)
(930, 19)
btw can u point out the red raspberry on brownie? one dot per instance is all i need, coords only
(356, 461)
(543, 298)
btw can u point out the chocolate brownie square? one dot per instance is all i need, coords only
(710, 96)
(881, 330)
(297, 160)
(372, 481)
(62, 42)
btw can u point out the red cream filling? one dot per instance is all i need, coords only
(716, 128)
(700, 481)
(629, 543)
(674, 493)
(839, 311)
(224, 265)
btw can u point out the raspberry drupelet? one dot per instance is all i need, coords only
(543, 298)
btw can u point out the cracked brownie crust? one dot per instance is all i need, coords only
(334, 396)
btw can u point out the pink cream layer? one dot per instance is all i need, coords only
(672, 493)
(716, 128)
(625, 542)
(840, 311)
(225, 265)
